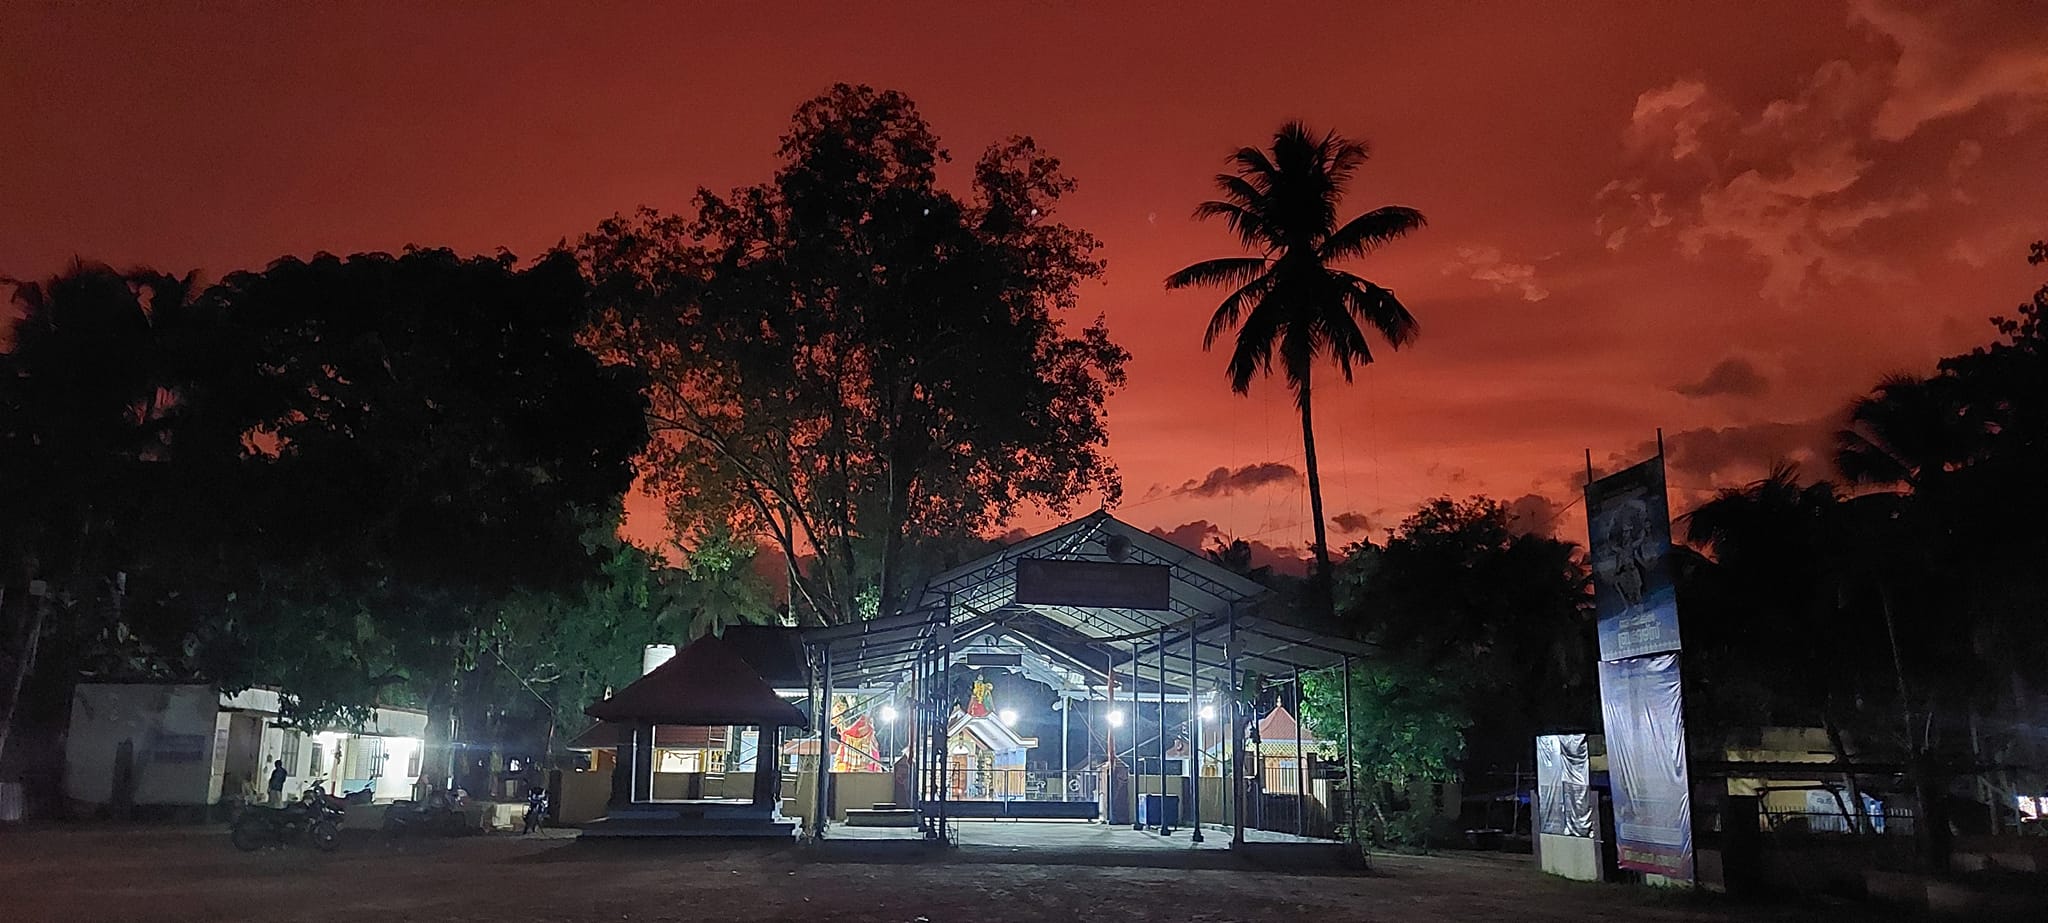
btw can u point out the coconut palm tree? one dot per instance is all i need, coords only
(1289, 296)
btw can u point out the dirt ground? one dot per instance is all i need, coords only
(193, 874)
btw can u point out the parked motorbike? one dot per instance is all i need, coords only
(441, 813)
(314, 819)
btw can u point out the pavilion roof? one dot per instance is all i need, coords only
(705, 683)
(1203, 605)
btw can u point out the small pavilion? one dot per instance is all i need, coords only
(1146, 639)
(706, 688)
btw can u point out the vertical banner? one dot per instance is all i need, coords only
(1641, 702)
(1631, 547)
(1645, 718)
(1564, 792)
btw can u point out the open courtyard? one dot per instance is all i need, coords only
(192, 874)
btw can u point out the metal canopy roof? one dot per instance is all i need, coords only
(978, 600)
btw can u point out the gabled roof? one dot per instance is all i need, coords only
(1203, 601)
(1279, 724)
(776, 653)
(993, 734)
(705, 683)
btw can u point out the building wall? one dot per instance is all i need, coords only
(172, 731)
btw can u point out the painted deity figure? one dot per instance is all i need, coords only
(855, 749)
(977, 704)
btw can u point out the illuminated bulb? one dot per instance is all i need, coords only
(888, 713)
(1208, 711)
(1009, 717)
(1116, 719)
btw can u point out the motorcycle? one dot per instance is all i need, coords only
(314, 819)
(441, 813)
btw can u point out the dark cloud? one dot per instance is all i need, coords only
(1203, 535)
(1728, 455)
(1734, 375)
(1534, 514)
(1351, 523)
(1224, 481)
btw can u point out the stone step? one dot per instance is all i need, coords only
(879, 817)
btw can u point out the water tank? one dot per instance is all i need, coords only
(655, 655)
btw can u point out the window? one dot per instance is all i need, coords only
(412, 763)
(290, 753)
(319, 766)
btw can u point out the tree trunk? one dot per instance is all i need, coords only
(1859, 823)
(437, 753)
(1324, 582)
(24, 663)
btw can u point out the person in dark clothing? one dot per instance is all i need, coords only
(536, 808)
(277, 777)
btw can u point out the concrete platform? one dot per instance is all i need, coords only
(693, 819)
(1093, 844)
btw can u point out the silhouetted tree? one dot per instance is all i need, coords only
(91, 384)
(856, 362)
(1482, 636)
(427, 438)
(1291, 297)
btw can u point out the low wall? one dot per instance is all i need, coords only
(849, 790)
(679, 786)
(1574, 857)
(738, 786)
(583, 797)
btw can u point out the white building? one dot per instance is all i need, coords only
(172, 744)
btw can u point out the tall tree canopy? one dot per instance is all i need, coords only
(854, 361)
(1482, 636)
(1291, 297)
(325, 475)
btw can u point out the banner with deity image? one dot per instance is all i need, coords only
(1633, 594)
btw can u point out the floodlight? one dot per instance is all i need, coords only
(1009, 717)
(1116, 719)
(888, 713)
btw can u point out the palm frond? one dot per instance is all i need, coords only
(1253, 228)
(1234, 307)
(1253, 354)
(1377, 307)
(1370, 231)
(1253, 164)
(1229, 270)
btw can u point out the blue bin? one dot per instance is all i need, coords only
(1151, 812)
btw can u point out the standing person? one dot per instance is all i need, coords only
(536, 807)
(277, 777)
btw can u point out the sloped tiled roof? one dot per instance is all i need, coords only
(705, 683)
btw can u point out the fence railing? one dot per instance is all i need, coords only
(1897, 820)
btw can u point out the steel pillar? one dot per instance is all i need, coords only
(821, 807)
(1350, 776)
(1236, 749)
(1300, 766)
(1194, 785)
(1137, 740)
(1163, 829)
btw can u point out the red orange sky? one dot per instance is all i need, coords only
(1722, 218)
